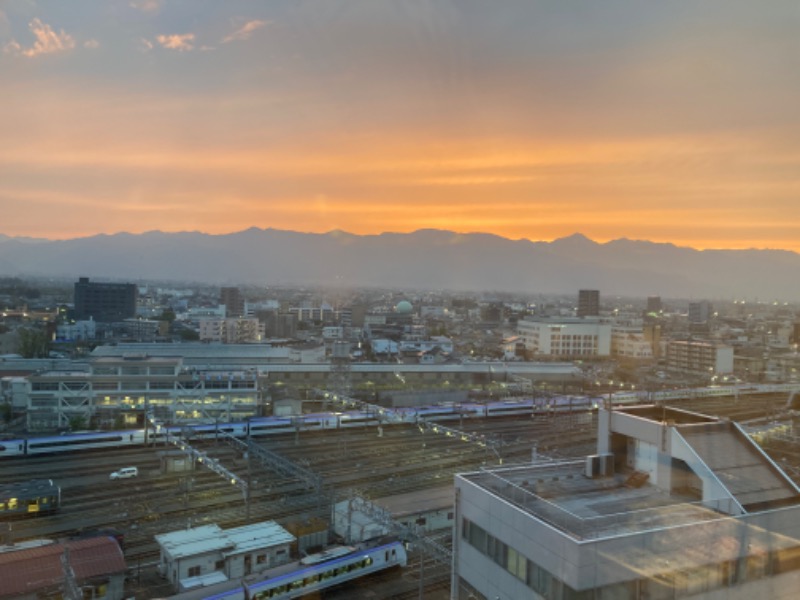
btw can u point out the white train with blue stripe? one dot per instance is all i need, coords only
(265, 426)
(313, 573)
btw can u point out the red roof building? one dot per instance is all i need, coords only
(97, 564)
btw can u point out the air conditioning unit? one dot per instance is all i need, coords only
(607, 464)
(592, 466)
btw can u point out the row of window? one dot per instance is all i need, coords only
(311, 580)
(666, 586)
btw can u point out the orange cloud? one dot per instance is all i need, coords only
(245, 31)
(130, 161)
(179, 42)
(47, 41)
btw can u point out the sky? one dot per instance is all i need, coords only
(667, 121)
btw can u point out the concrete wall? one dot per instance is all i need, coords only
(272, 557)
(715, 494)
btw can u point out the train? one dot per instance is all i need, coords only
(265, 426)
(311, 574)
(30, 498)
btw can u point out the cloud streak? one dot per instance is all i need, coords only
(245, 31)
(48, 41)
(147, 6)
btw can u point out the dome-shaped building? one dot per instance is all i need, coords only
(404, 307)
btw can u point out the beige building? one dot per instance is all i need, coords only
(231, 331)
(699, 358)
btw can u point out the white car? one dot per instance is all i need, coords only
(125, 473)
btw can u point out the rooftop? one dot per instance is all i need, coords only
(586, 508)
(212, 538)
(412, 503)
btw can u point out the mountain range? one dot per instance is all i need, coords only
(424, 259)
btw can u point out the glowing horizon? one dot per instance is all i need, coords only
(672, 124)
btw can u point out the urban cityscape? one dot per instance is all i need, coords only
(394, 299)
(273, 424)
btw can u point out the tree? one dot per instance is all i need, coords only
(6, 412)
(77, 423)
(32, 343)
(189, 335)
(166, 315)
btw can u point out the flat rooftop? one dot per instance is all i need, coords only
(421, 501)
(590, 508)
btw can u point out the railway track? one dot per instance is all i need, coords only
(402, 460)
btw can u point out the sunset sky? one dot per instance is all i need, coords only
(672, 121)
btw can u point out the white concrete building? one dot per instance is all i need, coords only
(673, 505)
(566, 337)
(426, 344)
(77, 331)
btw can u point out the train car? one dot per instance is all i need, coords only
(509, 408)
(317, 573)
(84, 441)
(12, 448)
(358, 418)
(319, 421)
(36, 497)
(270, 426)
(208, 431)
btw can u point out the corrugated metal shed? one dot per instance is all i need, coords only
(194, 541)
(212, 538)
(258, 535)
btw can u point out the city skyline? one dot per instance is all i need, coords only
(530, 120)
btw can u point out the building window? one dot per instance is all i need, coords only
(194, 571)
(219, 565)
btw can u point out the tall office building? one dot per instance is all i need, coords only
(653, 305)
(232, 298)
(104, 302)
(699, 312)
(588, 303)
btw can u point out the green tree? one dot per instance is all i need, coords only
(166, 315)
(188, 335)
(6, 412)
(32, 343)
(77, 423)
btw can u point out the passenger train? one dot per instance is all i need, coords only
(36, 497)
(312, 574)
(263, 426)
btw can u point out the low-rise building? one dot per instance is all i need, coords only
(231, 331)
(209, 554)
(96, 569)
(699, 358)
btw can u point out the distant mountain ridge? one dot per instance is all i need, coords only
(427, 259)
